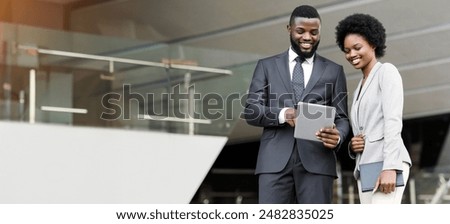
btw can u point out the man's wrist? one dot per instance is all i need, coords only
(281, 115)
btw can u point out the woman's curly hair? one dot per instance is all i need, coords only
(365, 25)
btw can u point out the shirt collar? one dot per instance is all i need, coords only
(293, 55)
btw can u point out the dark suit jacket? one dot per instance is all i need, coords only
(271, 90)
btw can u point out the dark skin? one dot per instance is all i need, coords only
(361, 54)
(305, 37)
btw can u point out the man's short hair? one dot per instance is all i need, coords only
(306, 11)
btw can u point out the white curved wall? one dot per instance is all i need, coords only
(62, 164)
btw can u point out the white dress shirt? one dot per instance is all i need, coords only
(307, 66)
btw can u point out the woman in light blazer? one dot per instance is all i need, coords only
(377, 108)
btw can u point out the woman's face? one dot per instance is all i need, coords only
(359, 52)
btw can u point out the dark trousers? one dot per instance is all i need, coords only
(294, 184)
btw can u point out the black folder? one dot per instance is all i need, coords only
(369, 173)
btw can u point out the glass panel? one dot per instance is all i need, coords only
(110, 82)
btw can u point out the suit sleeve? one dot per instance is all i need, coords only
(258, 111)
(340, 103)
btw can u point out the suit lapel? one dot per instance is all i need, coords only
(355, 93)
(282, 63)
(355, 108)
(317, 72)
(369, 80)
(357, 103)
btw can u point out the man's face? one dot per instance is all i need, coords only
(305, 36)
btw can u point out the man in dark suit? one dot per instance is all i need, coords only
(292, 170)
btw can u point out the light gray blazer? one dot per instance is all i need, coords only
(377, 113)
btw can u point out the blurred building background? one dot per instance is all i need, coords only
(139, 101)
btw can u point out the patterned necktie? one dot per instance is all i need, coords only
(298, 80)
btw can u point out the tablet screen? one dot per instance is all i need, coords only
(311, 118)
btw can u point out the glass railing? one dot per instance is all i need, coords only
(79, 79)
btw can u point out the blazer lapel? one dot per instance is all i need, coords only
(355, 93)
(317, 72)
(355, 109)
(282, 63)
(357, 99)
(369, 80)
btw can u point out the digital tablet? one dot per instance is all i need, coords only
(311, 118)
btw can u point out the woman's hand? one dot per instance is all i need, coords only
(357, 143)
(386, 181)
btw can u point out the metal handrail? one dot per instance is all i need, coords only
(125, 60)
